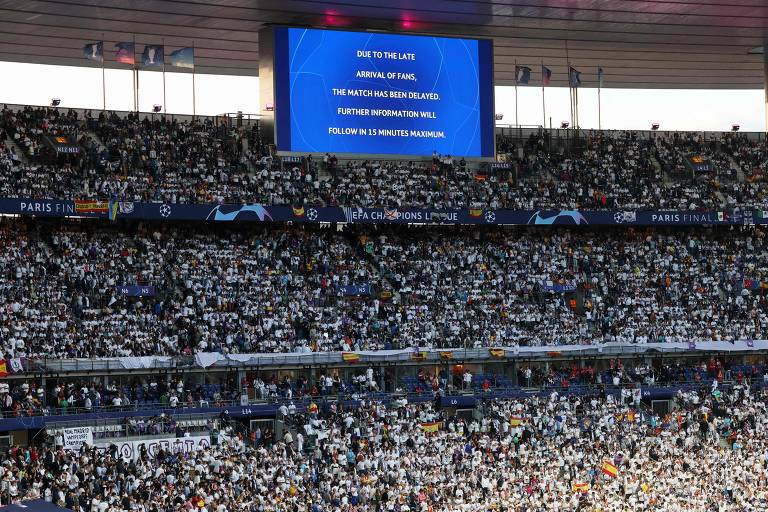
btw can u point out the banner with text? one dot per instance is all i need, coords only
(473, 216)
(130, 450)
(76, 437)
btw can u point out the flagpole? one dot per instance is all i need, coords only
(543, 101)
(576, 105)
(165, 107)
(193, 80)
(135, 78)
(599, 106)
(103, 81)
(517, 124)
(570, 85)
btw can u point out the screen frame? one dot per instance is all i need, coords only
(282, 103)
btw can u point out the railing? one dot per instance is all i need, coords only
(302, 402)
(215, 361)
(52, 411)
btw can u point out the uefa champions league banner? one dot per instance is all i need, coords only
(115, 210)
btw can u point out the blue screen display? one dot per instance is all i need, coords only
(374, 93)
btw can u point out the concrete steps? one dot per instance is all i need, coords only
(96, 139)
(23, 157)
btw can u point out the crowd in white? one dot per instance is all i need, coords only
(243, 290)
(143, 158)
(540, 453)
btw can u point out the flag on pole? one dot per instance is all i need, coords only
(522, 75)
(94, 51)
(184, 58)
(152, 56)
(600, 76)
(546, 75)
(125, 53)
(574, 77)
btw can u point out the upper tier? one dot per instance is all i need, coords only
(140, 159)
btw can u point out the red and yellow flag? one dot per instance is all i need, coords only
(430, 427)
(446, 355)
(610, 470)
(82, 206)
(496, 352)
(3, 368)
(350, 357)
(581, 487)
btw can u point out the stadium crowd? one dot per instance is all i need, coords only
(136, 158)
(553, 452)
(280, 289)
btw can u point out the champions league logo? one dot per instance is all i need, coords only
(217, 215)
(559, 218)
(622, 217)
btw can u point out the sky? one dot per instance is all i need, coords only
(636, 109)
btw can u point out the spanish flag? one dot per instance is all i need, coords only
(350, 357)
(609, 469)
(475, 212)
(554, 354)
(298, 211)
(418, 356)
(581, 487)
(497, 352)
(515, 421)
(446, 355)
(431, 427)
(3, 368)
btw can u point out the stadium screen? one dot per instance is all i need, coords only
(377, 93)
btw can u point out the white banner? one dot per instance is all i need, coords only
(76, 437)
(131, 449)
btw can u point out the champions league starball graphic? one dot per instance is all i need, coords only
(561, 217)
(227, 216)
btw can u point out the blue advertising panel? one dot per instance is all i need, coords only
(384, 94)
(251, 212)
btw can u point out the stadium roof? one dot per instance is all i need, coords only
(639, 43)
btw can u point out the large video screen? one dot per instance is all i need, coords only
(377, 93)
